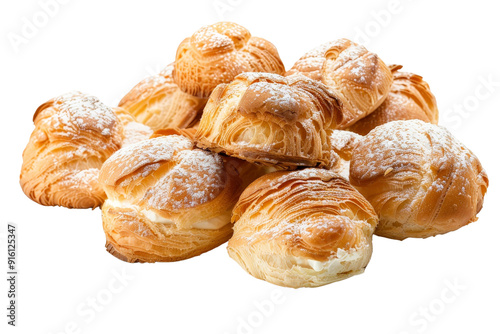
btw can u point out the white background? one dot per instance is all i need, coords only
(105, 47)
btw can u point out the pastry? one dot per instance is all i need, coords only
(302, 228)
(271, 119)
(188, 132)
(419, 178)
(169, 201)
(158, 102)
(359, 77)
(133, 131)
(410, 98)
(74, 134)
(217, 53)
(342, 143)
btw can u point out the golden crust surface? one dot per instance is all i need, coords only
(132, 131)
(271, 119)
(168, 200)
(410, 97)
(302, 228)
(419, 178)
(217, 53)
(359, 77)
(158, 102)
(74, 134)
(131, 237)
(342, 143)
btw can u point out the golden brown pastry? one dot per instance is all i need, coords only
(74, 134)
(217, 53)
(419, 178)
(302, 229)
(311, 63)
(158, 102)
(189, 132)
(167, 200)
(359, 77)
(410, 98)
(133, 131)
(342, 143)
(270, 119)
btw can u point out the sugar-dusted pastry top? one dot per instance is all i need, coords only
(217, 53)
(168, 175)
(76, 114)
(168, 200)
(359, 77)
(74, 134)
(419, 178)
(271, 119)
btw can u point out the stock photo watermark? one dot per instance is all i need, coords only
(422, 318)
(88, 310)
(380, 20)
(262, 310)
(223, 7)
(153, 70)
(34, 23)
(487, 87)
(12, 273)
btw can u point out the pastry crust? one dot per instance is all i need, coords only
(270, 119)
(74, 134)
(342, 144)
(158, 102)
(169, 201)
(217, 53)
(302, 229)
(358, 77)
(419, 178)
(133, 131)
(189, 132)
(410, 98)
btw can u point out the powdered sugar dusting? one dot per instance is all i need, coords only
(135, 132)
(151, 151)
(279, 97)
(344, 141)
(217, 37)
(84, 111)
(83, 179)
(196, 179)
(357, 61)
(389, 145)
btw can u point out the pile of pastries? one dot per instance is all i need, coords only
(296, 169)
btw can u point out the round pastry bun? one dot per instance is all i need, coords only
(74, 134)
(158, 102)
(270, 119)
(168, 201)
(302, 228)
(410, 97)
(217, 53)
(419, 178)
(359, 78)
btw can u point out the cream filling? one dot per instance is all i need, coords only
(329, 265)
(313, 264)
(214, 223)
